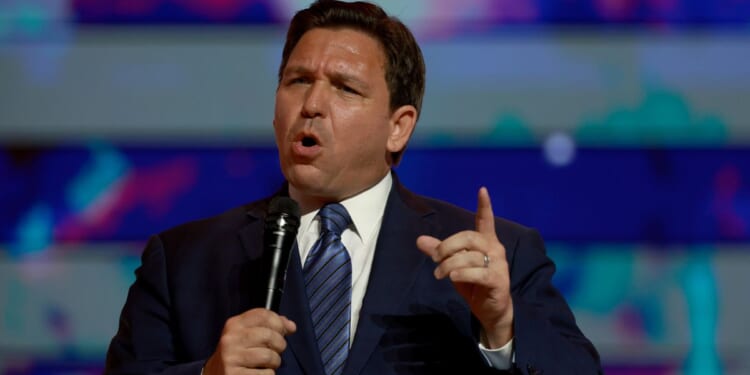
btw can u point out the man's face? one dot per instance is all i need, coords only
(333, 124)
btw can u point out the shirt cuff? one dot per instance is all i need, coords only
(500, 358)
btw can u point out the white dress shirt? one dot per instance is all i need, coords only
(366, 210)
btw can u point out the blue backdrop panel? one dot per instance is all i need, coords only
(103, 192)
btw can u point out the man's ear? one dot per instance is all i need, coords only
(402, 125)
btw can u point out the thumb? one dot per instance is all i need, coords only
(289, 325)
(428, 245)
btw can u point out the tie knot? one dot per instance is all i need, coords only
(334, 218)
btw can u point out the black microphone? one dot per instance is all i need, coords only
(279, 234)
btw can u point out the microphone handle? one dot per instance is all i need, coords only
(279, 240)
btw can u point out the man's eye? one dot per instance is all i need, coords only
(349, 90)
(297, 80)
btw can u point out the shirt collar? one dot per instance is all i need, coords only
(366, 209)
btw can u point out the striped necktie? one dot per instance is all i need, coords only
(328, 281)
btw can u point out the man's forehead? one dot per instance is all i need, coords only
(343, 39)
(336, 49)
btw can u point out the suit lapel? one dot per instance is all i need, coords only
(294, 306)
(394, 269)
(395, 266)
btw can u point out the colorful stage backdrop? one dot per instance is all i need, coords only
(619, 129)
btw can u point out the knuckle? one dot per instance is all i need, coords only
(231, 323)
(271, 339)
(276, 324)
(270, 358)
(280, 344)
(255, 358)
(265, 336)
(275, 360)
(225, 341)
(259, 313)
(255, 337)
(264, 356)
(455, 275)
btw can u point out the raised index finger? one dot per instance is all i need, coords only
(485, 218)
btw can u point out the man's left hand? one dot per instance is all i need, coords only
(475, 262)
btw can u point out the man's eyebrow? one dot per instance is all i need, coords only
(349, 79)
(335, 76)
(298, 69)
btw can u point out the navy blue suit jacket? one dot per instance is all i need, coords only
(196, 276)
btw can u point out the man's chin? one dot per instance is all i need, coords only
(306, 179)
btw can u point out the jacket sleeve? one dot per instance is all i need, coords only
(547, 339)
(145, 340)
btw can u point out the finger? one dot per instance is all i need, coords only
(253, 337)
(260, 317)
(261, 358)
(428, 245)
(475, 275)
(466, 259)
(485, 218)
(289, 325)
(262, 337)
(460, 243)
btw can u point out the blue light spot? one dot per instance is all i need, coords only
(107, 166)
(34, 233)
(559, 149)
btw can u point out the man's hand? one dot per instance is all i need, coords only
(251, 343)
(475, 262)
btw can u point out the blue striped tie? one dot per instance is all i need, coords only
(328, 280)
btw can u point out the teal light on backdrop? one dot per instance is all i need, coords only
(619, 129)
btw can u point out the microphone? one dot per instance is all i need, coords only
(279, 234)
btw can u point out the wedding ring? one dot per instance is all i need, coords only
(486, 260)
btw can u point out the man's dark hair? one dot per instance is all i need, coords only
(404, 64)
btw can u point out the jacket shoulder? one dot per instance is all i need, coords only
(213, 229)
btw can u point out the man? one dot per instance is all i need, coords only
(423, 287)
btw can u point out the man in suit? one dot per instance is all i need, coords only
(422, 286)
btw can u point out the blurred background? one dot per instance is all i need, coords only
(619, 128)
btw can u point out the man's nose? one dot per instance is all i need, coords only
(315, 101)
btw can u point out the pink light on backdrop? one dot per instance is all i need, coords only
(156, 188)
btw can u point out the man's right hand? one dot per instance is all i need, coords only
(251, 343)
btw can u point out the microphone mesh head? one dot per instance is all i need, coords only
(283, 205)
